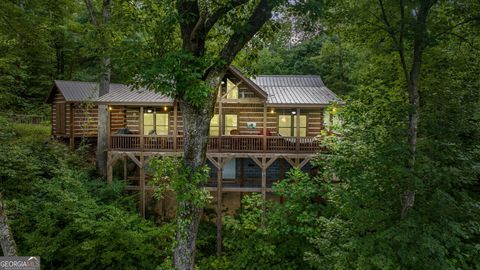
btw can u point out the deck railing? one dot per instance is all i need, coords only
(227, 144)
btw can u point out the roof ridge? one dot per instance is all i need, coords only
(57, 80)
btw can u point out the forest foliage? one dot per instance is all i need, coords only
(347, 216)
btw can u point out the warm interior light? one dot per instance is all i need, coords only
(109, 108)
(294, 112)
(165, 108)
(149, 111)
(272, 110)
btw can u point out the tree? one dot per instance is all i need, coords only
(104, 85)
(194, 28)
(7, 242)
(369, 165)
(192, 76)
(412, 77)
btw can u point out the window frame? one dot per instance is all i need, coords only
(153, 124)
(225, 123)
(293, 126)
(222, 129)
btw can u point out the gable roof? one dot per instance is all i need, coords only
(249, 82)
(278, 90)
(295, 90)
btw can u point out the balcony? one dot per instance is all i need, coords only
(219, 144)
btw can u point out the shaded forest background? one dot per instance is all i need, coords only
(60, 209)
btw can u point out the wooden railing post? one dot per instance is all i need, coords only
(175, 132)
(298, 131)
(220, 124)
(141, 129)
(264, 127)
(109, 124)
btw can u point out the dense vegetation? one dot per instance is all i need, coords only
(348, 216)
(59, 210)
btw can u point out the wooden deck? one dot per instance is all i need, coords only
(219, 144)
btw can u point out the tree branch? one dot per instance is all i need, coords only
(401, 45)
(261, 14)
(450, 29)
(105, 6)
(211, 20)
(91, 11)
(189, 13)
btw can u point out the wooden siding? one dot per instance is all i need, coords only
(129, 117)
(132, 119)
(58, 120)
(314, 122)
(85, 118)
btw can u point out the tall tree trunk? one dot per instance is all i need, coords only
(413, 82)
(104, 86)
(196, 129)
(196, 120)
(7, 242)
(102, 138)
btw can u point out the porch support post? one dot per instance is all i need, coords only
(264, 189)
(72, 135)
(125, 168)
(298, 130)
(242, 178)
(219, 207)
(264, 127)
(141, 129)
(142, 185)
(220, 122)
(109, 124)
(175, 132)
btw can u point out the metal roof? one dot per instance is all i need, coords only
(75, 91)
(287, 90)
(295, 89)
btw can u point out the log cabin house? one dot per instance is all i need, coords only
(261, 128)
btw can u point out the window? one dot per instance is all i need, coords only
(232, 90)
(148, 128)
(303, 125)
(162, 123)
(155, 123)
(287, 124)
(215, 125)
(231, 123)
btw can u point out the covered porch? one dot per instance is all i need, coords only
(254, 128)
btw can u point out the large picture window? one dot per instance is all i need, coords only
(155, 123)
(287, 124)
(230, 122)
